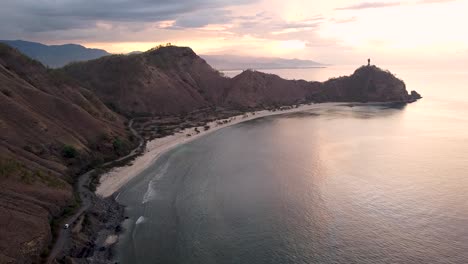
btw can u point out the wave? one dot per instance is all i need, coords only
(140, 220)
(150, 194)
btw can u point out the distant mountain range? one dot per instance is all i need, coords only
(233, 62)
(56, 56)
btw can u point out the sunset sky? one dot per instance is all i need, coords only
(334, 31)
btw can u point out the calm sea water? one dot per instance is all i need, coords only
(337, 184)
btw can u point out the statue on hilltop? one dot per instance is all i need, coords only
(368, 62)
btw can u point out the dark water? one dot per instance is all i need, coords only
(337, 184)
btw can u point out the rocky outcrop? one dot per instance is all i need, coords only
(414, 96)
(366, 84)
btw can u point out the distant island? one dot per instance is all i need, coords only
(56, 56)
(233, 62)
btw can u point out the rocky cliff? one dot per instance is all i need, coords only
(366, 84)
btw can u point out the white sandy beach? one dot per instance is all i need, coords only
(116, 178)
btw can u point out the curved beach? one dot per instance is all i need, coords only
(116, 178)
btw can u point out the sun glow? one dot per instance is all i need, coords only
(333, 31)
(408, 28)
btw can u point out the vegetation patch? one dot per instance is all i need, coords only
(8, 167)
(69, 152)
(49, 180)
(94, 178)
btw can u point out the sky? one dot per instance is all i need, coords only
(332, 31)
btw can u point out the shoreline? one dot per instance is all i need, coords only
(112, 181)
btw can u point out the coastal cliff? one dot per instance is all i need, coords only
(367, 84)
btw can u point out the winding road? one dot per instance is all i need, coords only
(86, 196)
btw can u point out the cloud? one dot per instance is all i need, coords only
(44, 15)
(202, 18)
(152, 21)
(264, 25)
(367, 5)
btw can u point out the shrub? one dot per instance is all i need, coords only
(69, 152)
(117, 144)
(94, 181)
(120, 146)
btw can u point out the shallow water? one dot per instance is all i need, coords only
(338, 184)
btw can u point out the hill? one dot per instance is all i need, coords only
(164, 81)
(55, 56)
(174, 80)
(367, 84)
(253, 89)
(50, 130)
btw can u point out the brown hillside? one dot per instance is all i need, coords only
(162, 81)
(254, 89)
(174, 80)
(40, 115)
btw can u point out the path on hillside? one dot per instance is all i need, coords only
(86, 196)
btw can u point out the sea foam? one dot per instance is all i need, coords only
(151, 190)
(140, 220)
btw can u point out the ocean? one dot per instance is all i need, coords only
(342, 183)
